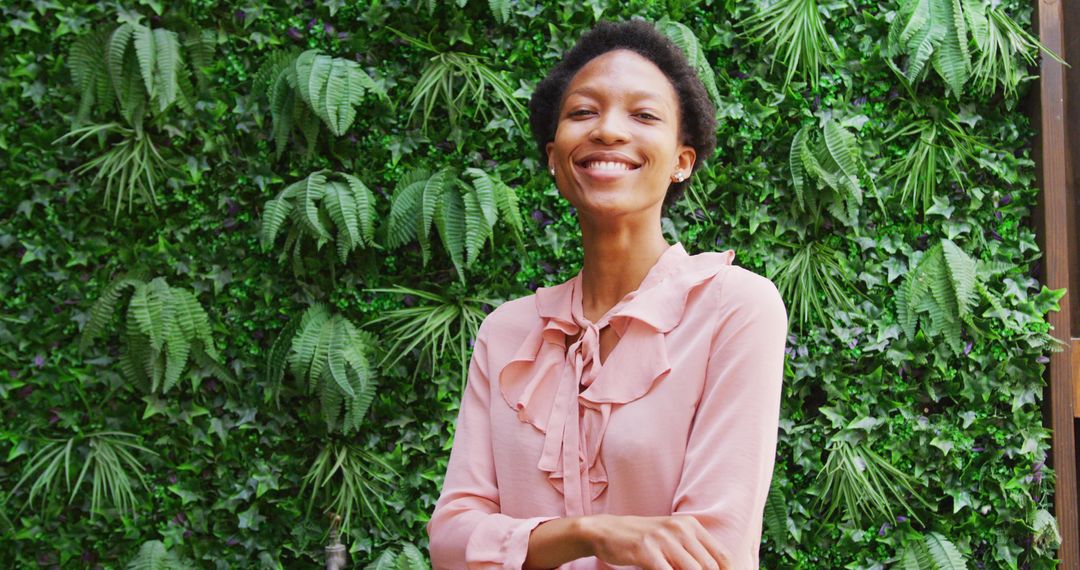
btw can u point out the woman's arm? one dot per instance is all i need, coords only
(732, 445)
(467, 529)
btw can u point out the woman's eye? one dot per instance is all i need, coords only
(580, 113)
(649, 116)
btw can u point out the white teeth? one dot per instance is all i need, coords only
(607, 165)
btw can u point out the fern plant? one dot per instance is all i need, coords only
(687, 40)
(464, 215)
(1005, 49)
(931, 32)
(348, 479)
(443, 322)
(932, 552)
(941, 293)
(108, 460)
(166, 328)
(410, 558)
(153, 555)
(863, 484)
(330, 356)
(938, 144)
(835, 162)
(795, 32)
(813, 282)
(316, 205)
(459, 84)
(142, 72)
(308, 87)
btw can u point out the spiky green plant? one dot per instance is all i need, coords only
(108, 459)
(1005, 49)
(132, 166)
(443, 322)
(796, 33)
(813, 283)
(331, 357)
(459, 84)
(835, 163)
(863, 484)
(166, 328)
(934, 32)
(940, 292)
(464, 215)
(682, 36)
(349, 479)
(939, 144)
(932, 552)
(410, 558)
(153, 555)
(304, 86)
(317, 204)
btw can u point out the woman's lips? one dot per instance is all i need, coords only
(605, 170)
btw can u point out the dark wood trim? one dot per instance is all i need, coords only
(1054, 175)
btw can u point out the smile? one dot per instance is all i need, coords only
(608, 165)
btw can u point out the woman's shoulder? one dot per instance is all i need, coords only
(514, 318)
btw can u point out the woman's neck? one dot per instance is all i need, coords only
(616, 261)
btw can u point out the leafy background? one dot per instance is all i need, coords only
(194, 376)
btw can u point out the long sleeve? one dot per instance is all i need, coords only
(732, 444)
(467, 529)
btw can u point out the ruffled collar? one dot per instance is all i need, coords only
(546, 381)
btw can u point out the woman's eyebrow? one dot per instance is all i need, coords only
(635, 94)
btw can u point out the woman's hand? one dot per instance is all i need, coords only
(676, 542)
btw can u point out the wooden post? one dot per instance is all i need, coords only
(1055, 209)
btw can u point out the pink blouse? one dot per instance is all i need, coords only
(681, 418)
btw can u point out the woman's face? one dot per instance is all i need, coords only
(616, 146)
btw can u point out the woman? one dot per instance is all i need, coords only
(627, 417)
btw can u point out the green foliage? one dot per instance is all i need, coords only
(108, 460)
(314, 205)
(1005, 49)
(941, 293)
(933, 552)
(130, 167)
(836, 164)
(348, 479)
(464, 215)
(308, 85)
(863, 485)
(166, 328)
(939, 144)
(812, 283)
(153, 555)
(410, 558)
(330, 356)
(934, 32)
(684, 37)
(445, 322)
(459, 84)
(795, 32)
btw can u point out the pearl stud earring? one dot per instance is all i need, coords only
(679, 177)
(552, 170)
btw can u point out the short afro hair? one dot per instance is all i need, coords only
(697, 125)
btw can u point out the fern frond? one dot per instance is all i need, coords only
(685, 38)
(451, 220)
(167, 62)
(153, 555)
(405, 208)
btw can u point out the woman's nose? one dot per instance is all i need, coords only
(609, 128)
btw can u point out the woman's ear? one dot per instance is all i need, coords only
(684, 161)
(547, 151)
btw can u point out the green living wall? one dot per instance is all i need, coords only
(244, 247)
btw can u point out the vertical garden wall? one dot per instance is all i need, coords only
(244, 248)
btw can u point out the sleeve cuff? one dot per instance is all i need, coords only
(500, 542)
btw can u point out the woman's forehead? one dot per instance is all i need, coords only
(624, 72)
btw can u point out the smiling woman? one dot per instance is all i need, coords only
(628, 416)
